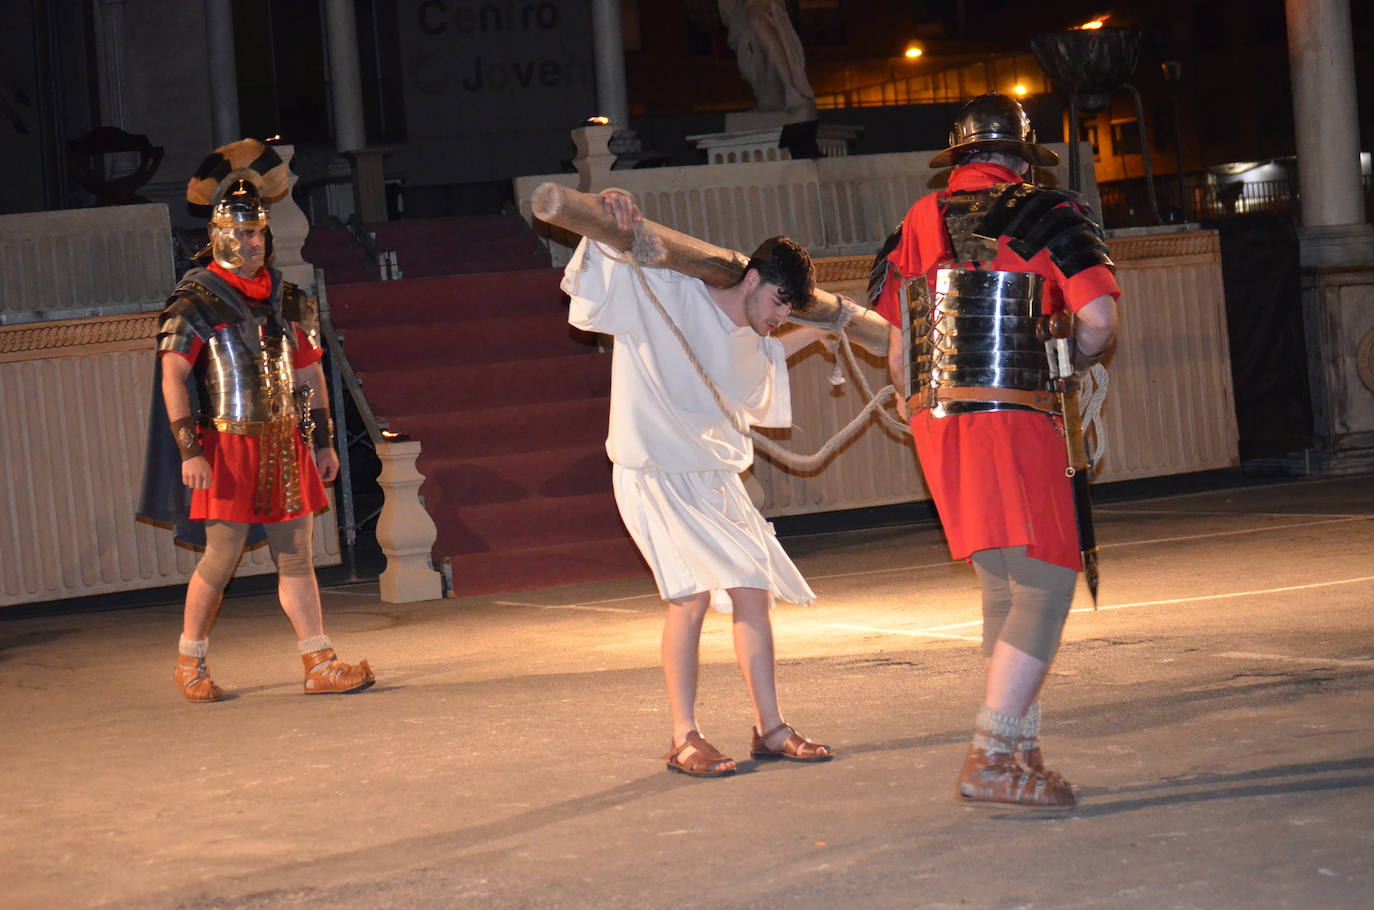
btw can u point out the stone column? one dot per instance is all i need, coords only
(405, 531)
(222, 69)
(1337, 245)
(609, 47)
(108, 24)
(1326, 124)
(345, 79)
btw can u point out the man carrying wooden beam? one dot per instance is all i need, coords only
(695, 366)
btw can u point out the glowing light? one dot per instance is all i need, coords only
(913, 51)
(1019, 90)
(390, 435)
(1095, 23)
(276, 138)
(598, 120)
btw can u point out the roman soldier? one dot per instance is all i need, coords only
(240, 435)
(976, 282)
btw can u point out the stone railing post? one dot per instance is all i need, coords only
(405, 531)
(594, 159)
(289, 227)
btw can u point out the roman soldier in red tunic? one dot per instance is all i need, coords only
(240, 395)
(970, 283)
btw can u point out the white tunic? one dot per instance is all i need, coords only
(677, 458)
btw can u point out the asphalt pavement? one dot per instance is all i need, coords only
(1216, 714)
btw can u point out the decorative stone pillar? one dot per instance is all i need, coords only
(405, 531)
(594, 158)
(222, 70)
(289, 227)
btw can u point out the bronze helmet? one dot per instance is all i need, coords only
(235, 186)
(994, 123)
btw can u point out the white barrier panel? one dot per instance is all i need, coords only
(84, 262)
(74, 400)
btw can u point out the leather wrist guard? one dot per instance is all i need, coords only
(187, 439)
(322, 428)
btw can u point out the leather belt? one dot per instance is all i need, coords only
(1041, 401)
(239, 427)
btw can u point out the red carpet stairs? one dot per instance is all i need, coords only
(508, 401)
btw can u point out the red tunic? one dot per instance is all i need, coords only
(233, 457)
(997, 477)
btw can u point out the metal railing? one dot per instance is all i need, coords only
(344, 380)
(1125, 203)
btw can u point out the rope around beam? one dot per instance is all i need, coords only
(806, 463)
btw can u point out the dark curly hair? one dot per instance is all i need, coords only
(782, 261)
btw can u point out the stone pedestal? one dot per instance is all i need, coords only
(405, 531)
(1338, 318)
(289, 227)
(1327, 245)
(744, 146)
(594, 159)
(369, 184)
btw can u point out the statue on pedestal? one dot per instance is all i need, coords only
(770, 56)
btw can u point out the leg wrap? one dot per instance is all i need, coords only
(223, 546)
(1041, 593)
(292, 547)
(991, 568)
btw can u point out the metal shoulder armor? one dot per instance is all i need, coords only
(881, 269)
(302, 309)
(1060, 222)
(184, 322)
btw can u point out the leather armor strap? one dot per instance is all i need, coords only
(186, 437)
(1041, 401)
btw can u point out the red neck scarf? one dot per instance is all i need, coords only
(980, 175)
(259, 287)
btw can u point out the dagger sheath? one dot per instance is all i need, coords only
(1066, 391)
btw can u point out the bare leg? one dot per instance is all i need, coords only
(681, 644)
(300, 600)
(753, 630)
(1014, 679)
(202, 609)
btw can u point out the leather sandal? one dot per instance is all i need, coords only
(995, 778)
(795, 748)
(699, 763)
(325, 674)
(194, 680)
(1033, 759)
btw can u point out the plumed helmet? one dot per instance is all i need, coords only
(994, 123)
(234, 187)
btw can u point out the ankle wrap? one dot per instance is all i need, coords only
(995, 731)
(193, 648)
(311, 645)
(1030, 727)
